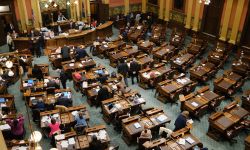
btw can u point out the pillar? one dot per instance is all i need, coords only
(126, 3)
(37, 13)
(80, 9)
(72, 10)
(226, 19)
(196, 15)
(161, 2)
(236, 24)
(189, 14)
(77, 9)
(2, 142)
(88, 10)
(167, 10)
(23, 14)
(106, 1)
(144, 7)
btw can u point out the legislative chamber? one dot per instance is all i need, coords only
(124, 74)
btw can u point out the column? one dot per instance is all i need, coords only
(161, 2)
(77, 7)
(196, 15)
(2, 142)
(72, 10)
(189, 14)
(144, 7)
(126, 3)
(236, 23)
(23, 14)
(88, 11)
(106, 1)
(37, 13)
(226, 19)
(167, 10)
(80, 9)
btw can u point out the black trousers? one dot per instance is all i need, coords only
(134, 76)
(64, 84)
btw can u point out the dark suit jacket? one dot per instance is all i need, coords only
(96, 145)
(80, 53)
(65, 52)
(134, 67)
(64, 101)
(37, 73)
(180, 122)
(103, 94)
(123, 69)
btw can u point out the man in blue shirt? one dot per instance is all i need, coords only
(80, 120)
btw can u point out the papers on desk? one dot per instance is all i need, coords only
(139, 27)
(60, 137)
(162, 118)
(137, 125)
(20, 148)
(190, 140)
(146, 75)
(183, 80)
(216, 56)
(190, 121)
(71, 64)
(66, 144)
(84, 84)
(141, 100)
(101, 135)
(181, 141)
(3, 105)
(74, 113)
(106, 46)
(5, 127)
(194, 104)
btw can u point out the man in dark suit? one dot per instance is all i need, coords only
(123, 70)
(102, 94)
(65, 53)
(134, 70)
(80, 52)
(181, 120)
(65, 101)
(63, 78)
(37, 72)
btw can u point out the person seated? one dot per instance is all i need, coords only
(61, 108)
(80, 52)
(40, 105)
(61, 17)
(146, 133)
(52, 83)
(103, 94)
(17, 127)
(65, 51)
(63, 100)
(54, 127)
(37, 72)
(165, 132)
(181, 120)
(102, 78)
(95, 144)
(80, 120)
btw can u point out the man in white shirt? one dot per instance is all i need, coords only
(61, 17)
(9, 41)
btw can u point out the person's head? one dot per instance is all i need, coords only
(185, 114)
(53, 121)
(146, 127)
(15, 122)
(80, 115)
(94, 138)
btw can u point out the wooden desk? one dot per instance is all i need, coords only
(158, 33)
(169, 90)
(107, 47)
(176, 39)
(199, 103)
(43, 67)
(136, 32)
(241, 68)
(35, 85)
(218, 56)
(150, 77)
(182, 62)
(247, 143)
(246, 100)
(225, 124)
(145, 46)
(203, 72)
(149, 145)
(164, 52)
(144, 60)
(229, 83)
(8, 104)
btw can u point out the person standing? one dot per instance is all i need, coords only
(10, 42)
(123, 70)
(63, 78)
(134, 70)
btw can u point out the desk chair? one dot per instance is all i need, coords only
(141, 141)
(80, 129)
(50, 90)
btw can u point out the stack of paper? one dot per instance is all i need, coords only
(137, 125)
(102, 134)
(5, 127)
(162, 118)
(60, 137)
(194, 104)
(181, 141)
(190, 140)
